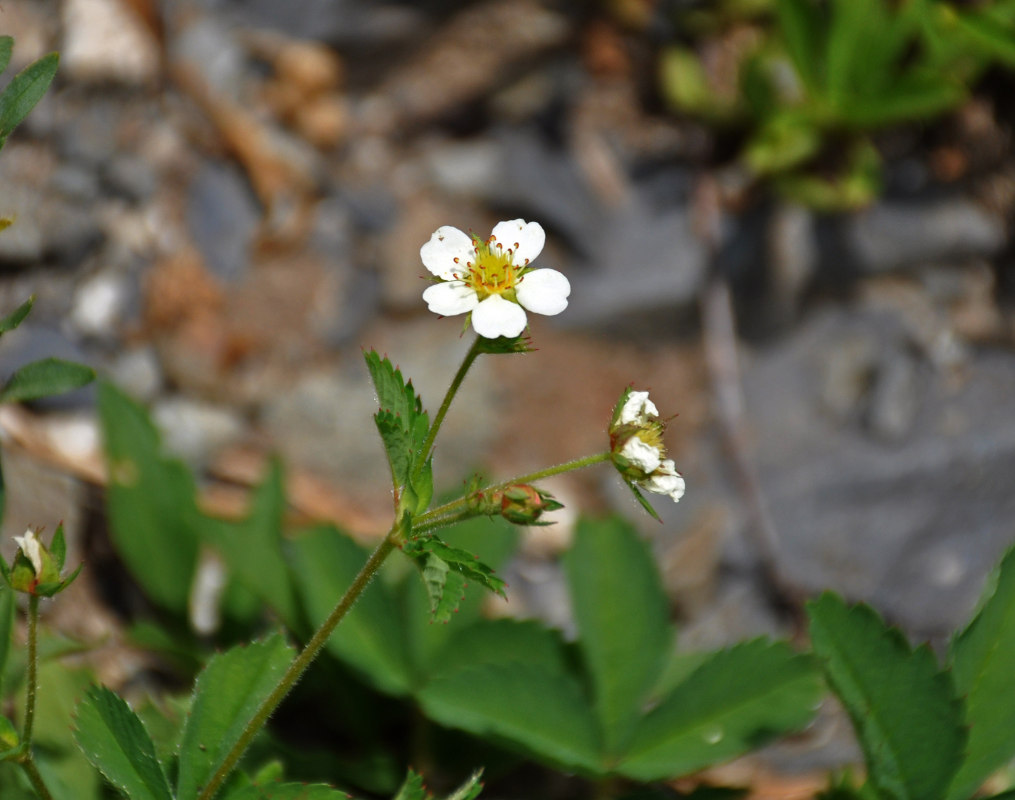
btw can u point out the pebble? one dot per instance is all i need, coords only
(223, 217)
(194, 430)
(105, 41)
(98, 305)
(903, 235)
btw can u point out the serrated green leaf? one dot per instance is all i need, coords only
(412, 788)
(227, 694)
(541, 712)
(289, 791)
(370, 637)
(459, 560)
(983, 665)
(469, 790)
(44, 378)
(252, 548)
(6, 48)
(738, 699)
(422, 486)
(24, 91)
(446, 589)
(495, 540)
(503, 641)
(401, 421)
(623, 621)
(116, 743)
(17, 316)
(903, 706)
(152, 512)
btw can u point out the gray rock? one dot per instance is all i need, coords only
(47, 224)
(194, 430)
(137, 372)
(351, 22)
(648, 267)
(898, 235)
(910, 521)
(223, 218)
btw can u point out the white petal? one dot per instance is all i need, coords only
(496, 316)
(666, 480)
(524, 239)
(30, 547)
(637, 408)
(544, 291)
(644, 456)
(450, 298)
(445, 245)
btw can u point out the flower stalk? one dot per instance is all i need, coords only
(302, 661)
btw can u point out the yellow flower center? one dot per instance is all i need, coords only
(492, 270)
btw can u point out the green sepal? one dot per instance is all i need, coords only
(644, 503)
(17, 316)
(58, 547)
(55, 587)
(505, 344)
(6, 222)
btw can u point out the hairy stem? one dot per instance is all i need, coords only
(32, 771)
(442, 412)
(33, 670)
(301, 662)
(448, 511)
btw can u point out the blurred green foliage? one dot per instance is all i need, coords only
(808, 81)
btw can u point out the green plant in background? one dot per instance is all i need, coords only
(815, 82)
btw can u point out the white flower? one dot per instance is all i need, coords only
(492, 279)
(665, 480)
(642, 455)
(637, 409)
(636, 441)
(30, 547)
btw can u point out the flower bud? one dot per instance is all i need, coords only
(524, 505)
(36, 567)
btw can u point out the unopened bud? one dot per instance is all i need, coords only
(524, 505)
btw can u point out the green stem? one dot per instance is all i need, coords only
(28, 765)
(301, 662)
(33, 670)
(438, 420)
(445, 511)
(436, 523)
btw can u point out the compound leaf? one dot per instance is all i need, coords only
(983, 663)
(736, 700)
(623, 620)
(117, 744)
(227, 694)
(903, 706)
(528, 706)
(152, 512)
